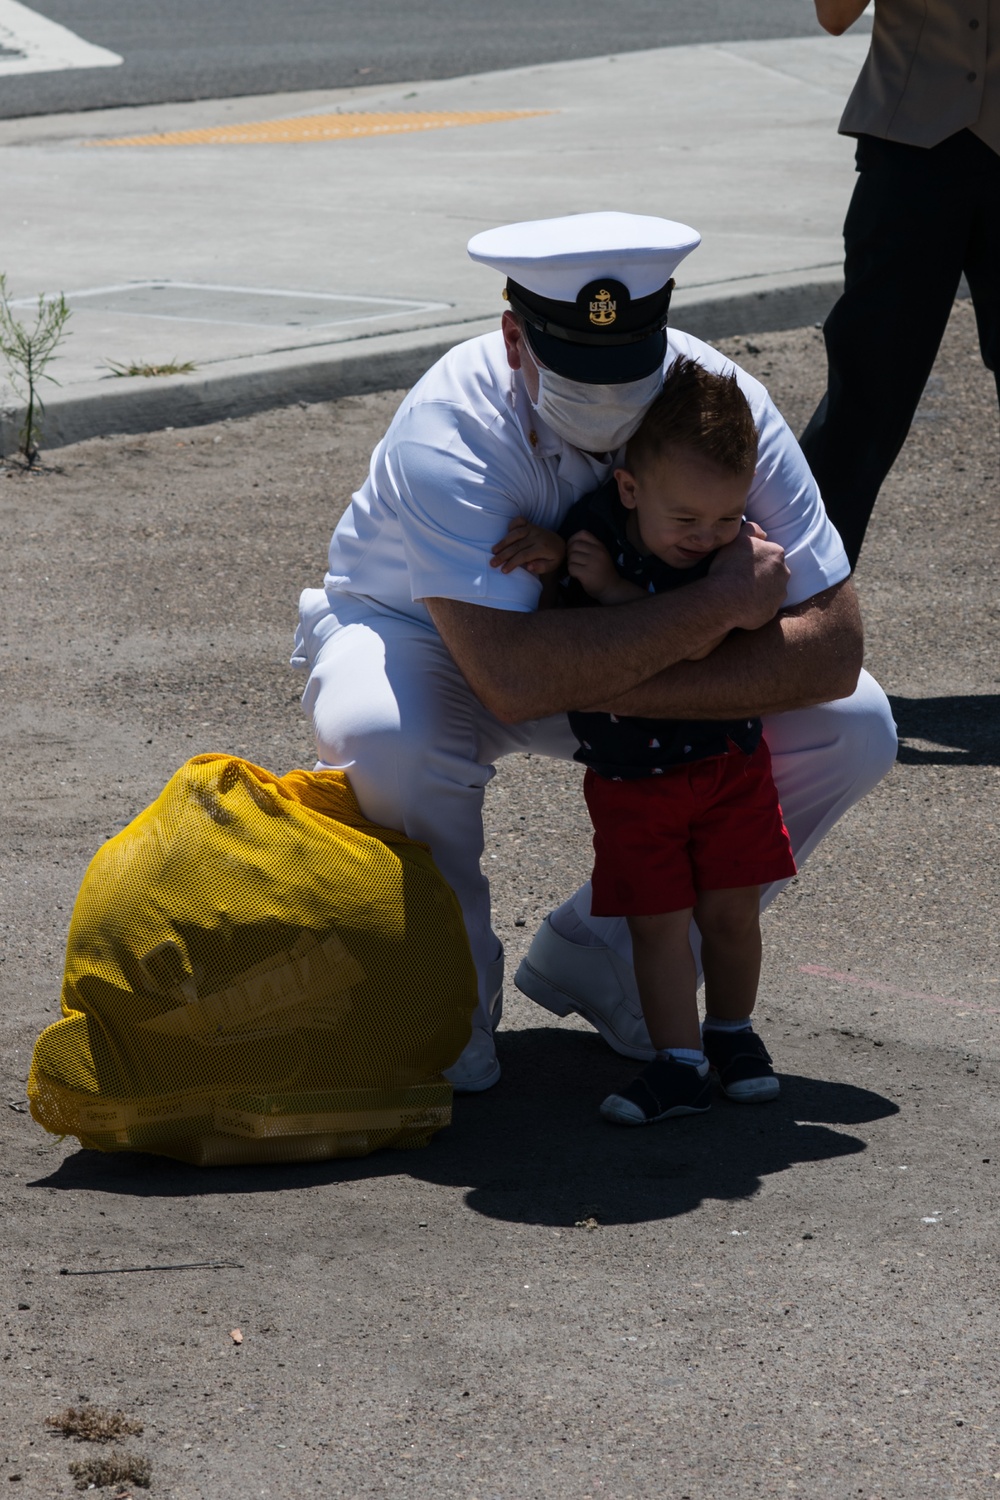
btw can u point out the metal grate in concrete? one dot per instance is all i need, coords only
(258, 307)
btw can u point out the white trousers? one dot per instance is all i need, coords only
(389, 707)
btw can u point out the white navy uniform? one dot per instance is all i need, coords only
(465, 454)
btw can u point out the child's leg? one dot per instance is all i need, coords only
(641, 836)
(666, 978)
(676, 1081)
(729, 923)
(730, 930)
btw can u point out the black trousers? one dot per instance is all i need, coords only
(918, 218)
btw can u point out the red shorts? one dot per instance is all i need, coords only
(710, 826)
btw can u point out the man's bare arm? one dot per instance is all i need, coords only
(809, 654)
(525, 666)
(835, 16)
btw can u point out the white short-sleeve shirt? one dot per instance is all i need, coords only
(466, 453)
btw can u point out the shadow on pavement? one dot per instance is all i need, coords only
(967, 722)
(535, 1151)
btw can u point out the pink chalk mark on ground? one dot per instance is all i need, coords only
(819, 971)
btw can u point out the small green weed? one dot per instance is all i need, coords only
(27, 351)
(137, 367)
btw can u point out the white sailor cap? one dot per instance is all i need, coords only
(593, 290)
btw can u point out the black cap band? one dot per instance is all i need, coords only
(605, 337)
(604, 315)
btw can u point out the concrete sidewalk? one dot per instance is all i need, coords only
(306, 268)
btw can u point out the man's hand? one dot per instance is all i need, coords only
(835, 16)
(530, 547)
(589, 562)
(754, 572)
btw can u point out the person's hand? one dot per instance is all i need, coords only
(755, 574)
(835, 16)
(530, 547)
(589, 562)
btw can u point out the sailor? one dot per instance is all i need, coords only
(426, 664)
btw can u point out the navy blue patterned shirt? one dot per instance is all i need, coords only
(628, 748)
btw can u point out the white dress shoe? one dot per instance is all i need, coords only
(477, 1068)
(594, 982)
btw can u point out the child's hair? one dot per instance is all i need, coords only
(700, 411)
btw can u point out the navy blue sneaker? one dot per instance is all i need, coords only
(741, 1065)
(664, 1088)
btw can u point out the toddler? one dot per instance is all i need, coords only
(685, 813)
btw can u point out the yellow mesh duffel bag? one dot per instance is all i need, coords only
(255, 973)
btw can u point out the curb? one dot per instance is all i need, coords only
(382, 362)
(239, 388)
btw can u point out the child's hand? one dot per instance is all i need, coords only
(530, 547)
(589, 562)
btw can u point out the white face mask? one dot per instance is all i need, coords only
(596, 418)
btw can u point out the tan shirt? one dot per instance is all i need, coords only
(933, 69)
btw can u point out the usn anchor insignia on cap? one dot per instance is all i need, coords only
(603, 309)
(602, 304)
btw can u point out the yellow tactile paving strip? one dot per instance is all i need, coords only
(329, 127)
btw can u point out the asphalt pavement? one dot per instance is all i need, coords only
(326, 255)
(205, 49)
